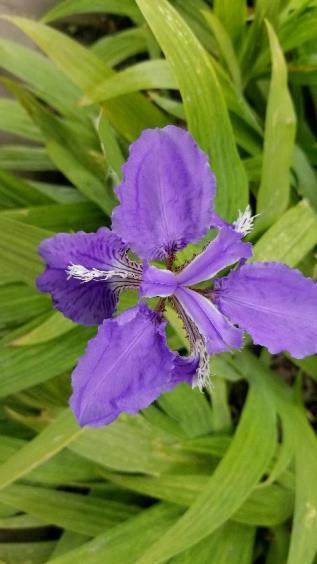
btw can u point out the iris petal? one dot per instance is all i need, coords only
(166, 197)
(223, 251)
(157, 282)
(126, 367)
(276, 304)
(220, 335)
(88, 303)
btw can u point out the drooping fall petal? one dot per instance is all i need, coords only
(95, 257)
(126, 367)
(276, 304)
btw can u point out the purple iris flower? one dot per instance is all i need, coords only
(166, 202)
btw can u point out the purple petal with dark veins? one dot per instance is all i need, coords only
(166, 197)
(226, 249)
(276, 304)
(88, 303)
(157, 282)
(218, 331)
(126, 367)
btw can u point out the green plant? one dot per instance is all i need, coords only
(234, 480)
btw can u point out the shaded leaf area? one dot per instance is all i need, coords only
(228, 475)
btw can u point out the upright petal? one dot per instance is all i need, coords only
(125, 368)
(220, 335)
(66, 254)
(226, 249)
(166, 197)
(275, 304)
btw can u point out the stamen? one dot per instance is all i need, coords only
(244, 223)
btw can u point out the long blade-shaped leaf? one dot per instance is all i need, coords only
(53, 439)
(279, 138)
(71, 7)
(231, 543)
(142, 76)
(130, 115)
(243, 465)
(204, 104)
(290, 238)
(18, 249)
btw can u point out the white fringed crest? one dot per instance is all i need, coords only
(244, 222)
(86, 275)
(202, 376)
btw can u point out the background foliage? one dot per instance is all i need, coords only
(193, 479)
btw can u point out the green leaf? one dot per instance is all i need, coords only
(14, 119)
(299, 28)
(294, 31)
(225, 46)
(19, 302)
(190, 408)
(35, 552)
(23, 157)
(306, 179)
(64, 468)
(115, 48)
(304, 534)
(48, 81)
(308, 365)
(221, 416)
(110, 146)
(72, 7)
(55, 326)
(203, 102)
(67, 542)
(16, 192)
(58, 192)
(125, 542)
(279, 545)
(192, 12)
(43, 447)
(142, 76)
(74, 512)
(279, 138)
(130, 115)
(232, 15)
(303, 545)
(60, 217)
(231, 543)
(22, 367)
(169, 105)
(266, 506)
(234, 478)
(254, 41)
(66, 150)
(18, 249)
(290, 238)
(20, 522)
(130, 445)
